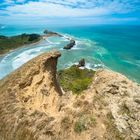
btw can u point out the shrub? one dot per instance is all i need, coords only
(75, 79)
(79, 126)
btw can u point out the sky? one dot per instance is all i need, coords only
(69, 12)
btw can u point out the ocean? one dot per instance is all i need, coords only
(115, 47)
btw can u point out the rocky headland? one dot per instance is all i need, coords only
(9, 43)
(50, 33)
(39, 103)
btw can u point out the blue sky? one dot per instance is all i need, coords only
(68, 12)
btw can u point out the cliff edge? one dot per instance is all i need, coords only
(33, 106)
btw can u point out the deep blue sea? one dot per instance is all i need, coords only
(116, 47)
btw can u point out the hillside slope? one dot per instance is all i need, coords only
(33, 106)
(9, 43)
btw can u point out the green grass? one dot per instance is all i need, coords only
(75, 79)
(79, 126)
(84, 122)
(9, 43)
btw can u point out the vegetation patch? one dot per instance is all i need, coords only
(9, 43)
(84, 122)
(79, 126)
(75, 79)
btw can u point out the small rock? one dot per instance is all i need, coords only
(81, 63)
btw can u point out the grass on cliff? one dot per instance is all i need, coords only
(83, 123)
(75, 79)
(8, 43)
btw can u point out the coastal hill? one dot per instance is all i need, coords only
(33, 106)
(9, 43)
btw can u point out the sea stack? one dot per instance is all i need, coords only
(70, 45)
(81, 63)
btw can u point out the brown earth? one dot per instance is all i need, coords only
(33, 106)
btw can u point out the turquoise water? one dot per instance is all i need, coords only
(114, 47)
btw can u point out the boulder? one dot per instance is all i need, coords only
(70, 45)
(81, 63)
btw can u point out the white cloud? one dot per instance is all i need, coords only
(20, 1)
(46, 9)
(8, 1)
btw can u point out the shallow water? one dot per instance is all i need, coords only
(114, 47)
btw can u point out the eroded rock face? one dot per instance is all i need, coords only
(122, 99)
(28, 96)
(33, 107)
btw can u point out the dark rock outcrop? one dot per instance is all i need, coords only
(81, 63)
(50, 33)
(70, 45)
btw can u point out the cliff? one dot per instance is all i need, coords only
(33, 106)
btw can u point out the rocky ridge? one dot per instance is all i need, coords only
(34, 107)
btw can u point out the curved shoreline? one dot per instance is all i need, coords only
(42, 37)
(68, 38)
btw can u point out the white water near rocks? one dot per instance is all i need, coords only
(18, 57)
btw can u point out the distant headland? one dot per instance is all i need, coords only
(9, 43)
